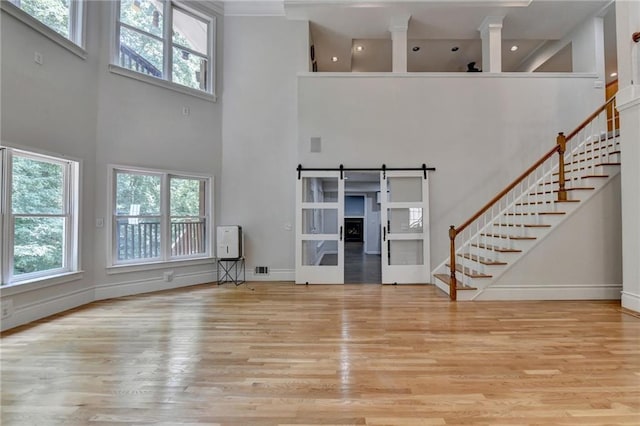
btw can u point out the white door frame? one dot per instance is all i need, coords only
(417, 270)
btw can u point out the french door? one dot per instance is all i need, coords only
(320, 228)
(404, 217)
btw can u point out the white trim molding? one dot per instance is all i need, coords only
(631, 301)
(152, 284)
(43, 308)
(254, 8)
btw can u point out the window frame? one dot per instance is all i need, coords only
(165, 219)
(71, 209)
(166, 80)
(75, 43)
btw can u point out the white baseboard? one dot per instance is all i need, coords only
(27, 313)
(631, 301)
(552, 292)
(147, 285)
(273, 275)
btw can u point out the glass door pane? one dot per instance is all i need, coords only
(405, 223)
(319, 228)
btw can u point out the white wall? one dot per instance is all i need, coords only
(479, 131)
(585, 252)
(628, 99)
(143, 125)
(75, 107)
(262, 57)
(587, 49)
(50, 108)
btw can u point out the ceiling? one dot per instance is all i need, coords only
(437, 26)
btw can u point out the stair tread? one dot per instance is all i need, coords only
(555, 191)
(585, 167)
(510, 237)
(469, 272)
(547, 202)
(530, 213)
(445, 278)
(498, 249)
(521, 225)
(480, 259)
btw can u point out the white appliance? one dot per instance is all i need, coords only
(229, 240)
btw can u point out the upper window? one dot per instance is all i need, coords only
(40, 199)
(167, 40)
(159, 216)
(62, 16)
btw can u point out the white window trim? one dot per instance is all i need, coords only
(71, 270)
(113, 266)
(78, 28)
(166, 83)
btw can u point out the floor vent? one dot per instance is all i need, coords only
(262, 270)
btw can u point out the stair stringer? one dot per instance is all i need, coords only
(493, 289)
(568, 264)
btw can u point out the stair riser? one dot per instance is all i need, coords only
(551, 207)
(478, 283)
(521, 231)
(538, 219)
(479, 267)
(508, 257)
(508, 243)
(577, 194)
(607, 156)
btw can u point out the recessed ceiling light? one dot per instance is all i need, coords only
(359, 48)
(334, 59)
(415, 48)
(455, 48)
(613, 74)
(514, 48)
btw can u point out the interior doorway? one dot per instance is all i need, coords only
(362, 261)
(387, 220)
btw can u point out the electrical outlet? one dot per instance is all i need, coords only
(186, 111)
(7, 308)
(168, 276)
(38, 58)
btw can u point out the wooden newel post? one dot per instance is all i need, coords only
(453, 284)
(562, 146)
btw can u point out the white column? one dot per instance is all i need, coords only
(398, 29)
(491, 34)
(587, 48)
(628, 100)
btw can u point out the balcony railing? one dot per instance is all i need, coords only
(133, 61)
(142, 240)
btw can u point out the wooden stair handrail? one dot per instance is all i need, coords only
(562, 194)
(502, 193)
(590, 118)
(520, 178)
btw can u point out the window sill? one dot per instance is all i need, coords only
(116, 69)
(142, 267)
(38, 26)
(40, 283)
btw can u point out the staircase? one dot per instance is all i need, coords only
(529, 209)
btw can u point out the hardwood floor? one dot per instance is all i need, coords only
(359, 267)
(286, 354)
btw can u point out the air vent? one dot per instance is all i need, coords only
(262, 270)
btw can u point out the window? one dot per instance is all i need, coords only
(167, 40)
(39, 215)
(64, 17)
(159, 216)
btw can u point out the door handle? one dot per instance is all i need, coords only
(384, 233)
(341, 233)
